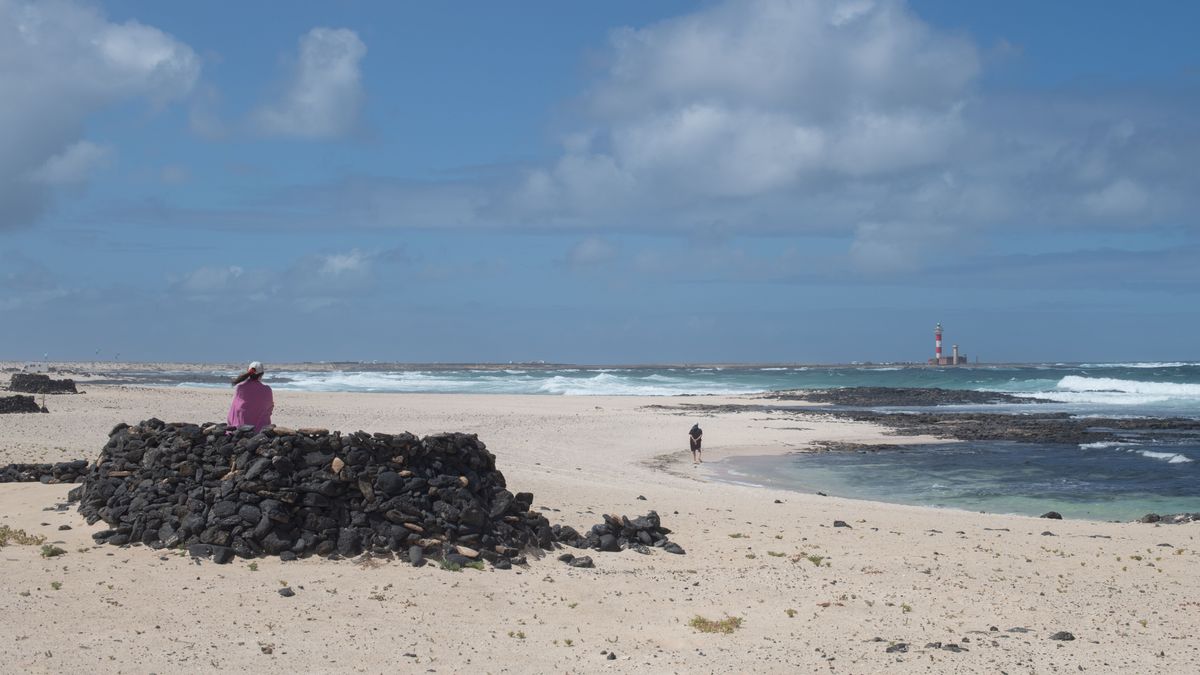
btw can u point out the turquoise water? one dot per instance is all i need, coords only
(1101, 481)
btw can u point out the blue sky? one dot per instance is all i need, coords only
(767, 180)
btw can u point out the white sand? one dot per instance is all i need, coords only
(1133, 606)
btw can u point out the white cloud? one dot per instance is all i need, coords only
(854, 119)
(308, 283)
(325, 94)
(766, 101)
(344, 264)
(62, 62)
(73, 165)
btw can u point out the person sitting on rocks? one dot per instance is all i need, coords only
(253, 401)
(694, 437)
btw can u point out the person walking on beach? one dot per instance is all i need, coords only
(694, 438)
(253, 401)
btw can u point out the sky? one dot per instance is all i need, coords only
(621, 182)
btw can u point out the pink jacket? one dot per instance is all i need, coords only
(252, 404)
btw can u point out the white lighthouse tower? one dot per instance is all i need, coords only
(937, 345)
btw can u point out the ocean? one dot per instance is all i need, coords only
(1155, 389)
(1121, 480)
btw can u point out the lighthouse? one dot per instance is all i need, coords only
(957, 359)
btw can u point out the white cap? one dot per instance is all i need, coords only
(256, 366)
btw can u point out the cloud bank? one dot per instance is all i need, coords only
(59, 63)
(850, 118)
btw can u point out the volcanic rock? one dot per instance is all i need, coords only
(35, 383)
(61, 472)
(19, 404)
(220, 491)
(618, 533)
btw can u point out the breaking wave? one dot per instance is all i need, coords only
(1111, 391)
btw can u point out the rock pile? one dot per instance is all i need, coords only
(1170, 518)
(618, 533)
(61, 472)
(34, 383)
(19, 404)
(223, 491)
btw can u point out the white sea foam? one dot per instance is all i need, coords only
(1169, 457)
(607, 384)
(1141, 364)
(1112, 391)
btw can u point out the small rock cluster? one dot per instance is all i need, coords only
(618, 533)
(1170, 518)
(61, 472)
(35, 383)
(221, 491)
(19, 404)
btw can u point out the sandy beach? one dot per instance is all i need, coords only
(811, 597)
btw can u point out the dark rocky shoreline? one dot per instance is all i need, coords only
(866, 397)
(1031, 428)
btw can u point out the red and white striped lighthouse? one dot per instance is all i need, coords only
(937, 345)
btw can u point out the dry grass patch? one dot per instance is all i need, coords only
(726, 625)
(9, 535)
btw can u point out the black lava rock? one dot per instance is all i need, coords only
(287, 592)
(221, 491)
(618, 533)
(1053, 515)
(416, 556)
(581, 561)
(841, 523)
(34, 383)
(1062, 635)
(60, 472)
(19, 404)
(219, 554)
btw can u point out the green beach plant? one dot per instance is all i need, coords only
(9, 535)
(52, 551)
